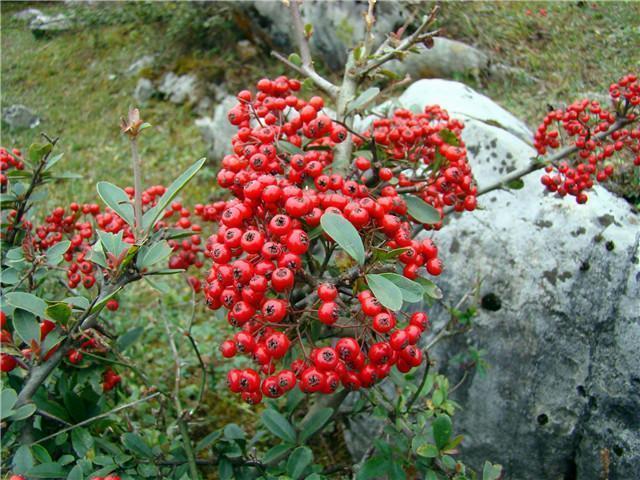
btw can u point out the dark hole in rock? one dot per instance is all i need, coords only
(618, 450)
(585, 266)
(491, 302)
(609, 245)
(572, 471)
(581, 391)
(543, 419)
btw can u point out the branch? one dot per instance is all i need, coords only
(137, 187)
(97, 417)
(307, 69)
(416, 37)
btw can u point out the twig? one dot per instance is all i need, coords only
(137, 185)
(425, 374)
(97, 417)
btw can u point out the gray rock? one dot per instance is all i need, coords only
(143, 62)
(446, 59)
(217, 131)
(204, 107)
(179, 89)
(43, 24)
(337, 25)
(560, 320)
(144, 90)
(27, 14)
(18, 117)
(246, 50)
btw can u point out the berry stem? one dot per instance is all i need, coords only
(137, 185)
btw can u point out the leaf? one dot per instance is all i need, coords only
(233, 432)
(150, 255)
(51, 161)
(411, 291)
(76, 473)
(117, 200)
(26, 326)
(363, 99)
(208, 440)
(59, 312)
(387, 293)
(275, 453)
(103, 301)
(22, 460)
(112, 243)
(372, 468)
(47, 470)
(491, 472)
(80, 302)
(278, 425)
(82, 441)
(421, 210)
(136, 445)
(27, 301)
(344, 234)
(427, 450)
(368, 154)
(129, 338)
(151, 215)
(430, 289)
(289, 147)
(38, 150)
(295, 59)
(298, 462)
(225, 469)
(55, 254)
(8, 399)
(315, 423)
(25, 411)
(516, 184)
(441, 430)
(40, 453)
(449, 137)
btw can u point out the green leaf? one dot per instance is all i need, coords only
(411, 291)
(40, 453)
(51, 161)
(372, 468)
(368, 154)
(431, 290)
(129, 338)
(76, 473)
(117, 200)
(208, 440)
(315, 423)
(295, 59)
(150, 255)
(80, 302)
(233, 432)
(491, 472)
(25, 411)
(298, 462)
(113, 243)
(38, 150)
(289, 147)
(277, 452)
(516, 184)
(427, 450)
(437, 397)
(449, 137)
(26, 326)
(8, 399)
(363, 99)
(387, 293)
(151, 215)
(82, 441)
(225, 469)
(136, 445)
(55, 253)
(441, 430)
(278, 425)
(47, 470)
(22, 460)
(344, 234)
(59, 312)
(99, 305)
(421, 210)
(27, 301)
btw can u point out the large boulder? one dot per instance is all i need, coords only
(560, 315)
(43, 24)
(561, 323)
(180, 88)
(216, 131)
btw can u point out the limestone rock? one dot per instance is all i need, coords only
(179, 89)
(19, 116)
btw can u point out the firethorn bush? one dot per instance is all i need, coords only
(314, 264)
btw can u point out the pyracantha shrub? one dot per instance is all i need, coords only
(582, 125)
(301, 320)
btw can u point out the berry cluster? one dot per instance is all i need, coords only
(280, 175)
(580, 125)
(8, 161)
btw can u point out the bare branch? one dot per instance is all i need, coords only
(416, 37)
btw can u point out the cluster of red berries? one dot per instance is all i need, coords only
(430, 155)
(8, 161)
(579, 125)
(260, 253)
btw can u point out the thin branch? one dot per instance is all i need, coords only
(416, 37)
(425, 374)
(98, 417)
